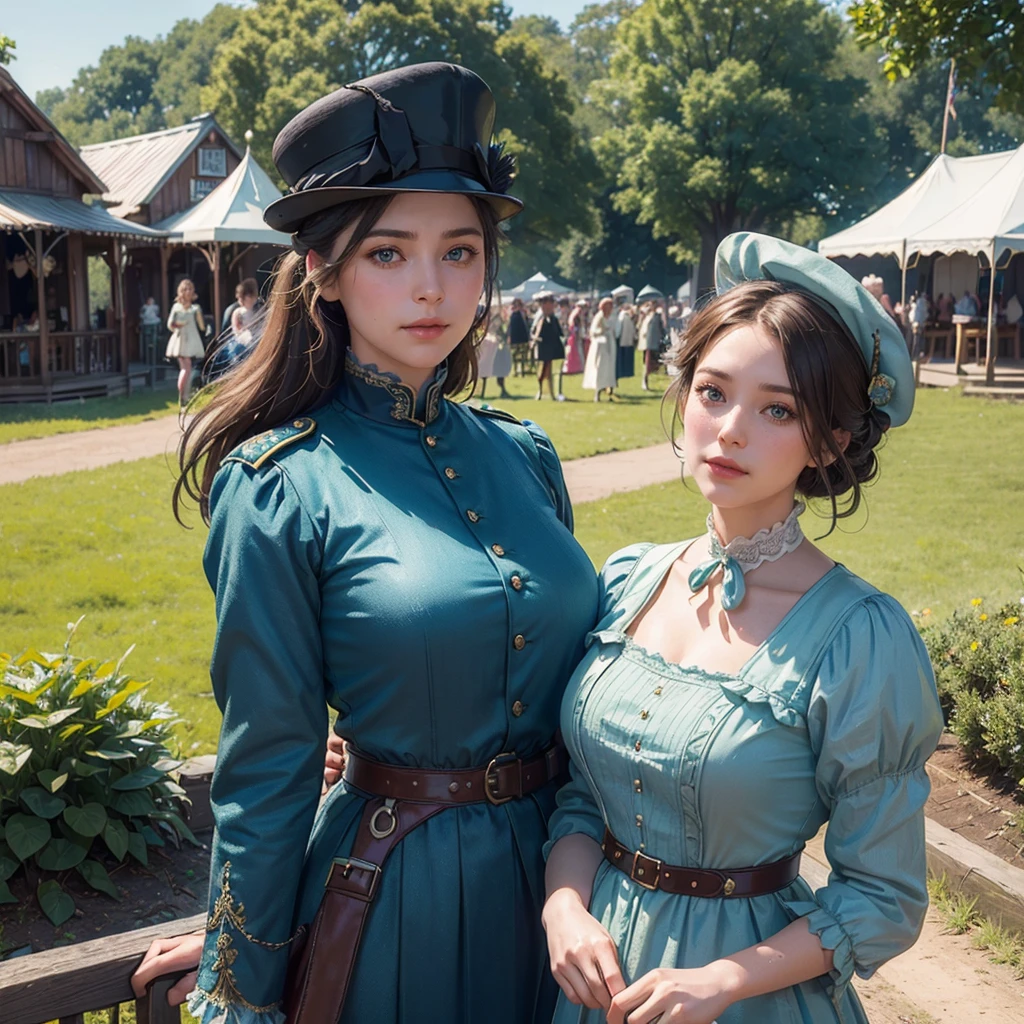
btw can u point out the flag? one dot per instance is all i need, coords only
(951, 98)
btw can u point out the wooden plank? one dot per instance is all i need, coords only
(20, 171)
(44, 323)
(75, 979)
(153, 1007)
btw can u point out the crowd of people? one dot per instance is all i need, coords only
(556, 337)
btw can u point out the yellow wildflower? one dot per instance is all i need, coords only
(927, 611)
(1011, 621)
(976, 601)
(983, 617)
(974, 645)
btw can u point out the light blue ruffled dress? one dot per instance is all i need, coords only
(832, 719)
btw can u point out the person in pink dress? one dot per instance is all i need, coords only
(574, 354)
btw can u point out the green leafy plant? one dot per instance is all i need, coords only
(85, 773)
(978, 656)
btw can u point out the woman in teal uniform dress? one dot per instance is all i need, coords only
(718, 721)
(400, 557)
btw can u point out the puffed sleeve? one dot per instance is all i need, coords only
(171, 325)
(552, 468)
(263, 561)
(577, 809)
(874, 720)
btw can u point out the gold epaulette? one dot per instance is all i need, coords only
(258, 449)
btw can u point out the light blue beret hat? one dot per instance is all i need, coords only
(746, 256)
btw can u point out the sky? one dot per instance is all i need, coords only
(57, 37)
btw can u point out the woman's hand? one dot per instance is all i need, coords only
(168, 956)
(334, 762)
(685, 996)
(584, 960)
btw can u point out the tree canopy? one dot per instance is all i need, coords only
(985, 36)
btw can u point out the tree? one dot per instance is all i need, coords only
(140, 85)
(734, 117)
(287, 53)
(7, 48)
(985, 36)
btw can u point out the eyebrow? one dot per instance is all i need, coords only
(411, 235)
(775, 389)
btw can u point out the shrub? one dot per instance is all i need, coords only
(84, 771)
(978, 656)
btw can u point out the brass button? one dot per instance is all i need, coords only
(517, 583)
(453, 787)
(298, 424)
(657, 692)
(637, 786)
(498, 550)
(636, 746)
(643, 714)
(472, 516)
(519, 641)
(450, 473)
(518, 708)
(431, 441)
(639, 820)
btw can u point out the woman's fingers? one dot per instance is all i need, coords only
(179, 992)
(608, 962)
(167, 956)
(578, 983)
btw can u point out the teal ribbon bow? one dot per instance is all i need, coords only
(734, 587)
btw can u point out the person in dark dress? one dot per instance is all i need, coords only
(546, 336)
(518, 337)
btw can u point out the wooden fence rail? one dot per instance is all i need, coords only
(64, 984)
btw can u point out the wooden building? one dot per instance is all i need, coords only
(155, 180)
(51, 344)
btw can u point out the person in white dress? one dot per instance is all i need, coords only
(494, 357)
(599, 372)
(187, 327)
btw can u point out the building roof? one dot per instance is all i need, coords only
(20, 211)
(137, 167)
(944, 185)
(232, 212)
(63, 149)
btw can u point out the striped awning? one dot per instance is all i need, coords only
(21, 211)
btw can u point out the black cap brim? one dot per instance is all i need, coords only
(287, 213)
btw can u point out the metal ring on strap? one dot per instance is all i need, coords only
(388, 808)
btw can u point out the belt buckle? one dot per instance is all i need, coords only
(639, 871)
(348, 863)
(491, 781)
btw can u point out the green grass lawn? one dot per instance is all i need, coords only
(21, 421)
(944, 523)
(628, 423)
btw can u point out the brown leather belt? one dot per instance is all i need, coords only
(505, 778)
(652, 873)
(320, 967)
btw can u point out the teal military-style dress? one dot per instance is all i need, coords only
(832, 719)
(409, 562)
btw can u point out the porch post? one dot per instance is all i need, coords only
(992, 344)
(119, 312)
(165, 287)
(44, 323)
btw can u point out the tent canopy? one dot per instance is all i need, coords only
(991, 218)
(538, 283)
(945, 185)
(20, 211)
(232, 212)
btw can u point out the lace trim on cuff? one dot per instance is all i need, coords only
(203, 1007)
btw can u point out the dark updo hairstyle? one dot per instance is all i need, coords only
(300, 354)
(826, 370)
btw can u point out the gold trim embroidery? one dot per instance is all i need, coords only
(226, 911)
(404, 396)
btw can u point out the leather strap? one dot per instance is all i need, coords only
(652, 873)
(505, 778)
(317, 991)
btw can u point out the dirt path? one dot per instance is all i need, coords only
(588, 479)
(941, 980)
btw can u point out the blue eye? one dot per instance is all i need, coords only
(460, 254)
(710, 392)
(386, 255)
(779, 413)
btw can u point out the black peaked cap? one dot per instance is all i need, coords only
(420, 128)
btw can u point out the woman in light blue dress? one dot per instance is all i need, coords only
(717, 721)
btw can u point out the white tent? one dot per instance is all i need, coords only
(527, 289)
(232, 212)
(943, 185)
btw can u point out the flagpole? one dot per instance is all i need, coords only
(945, 110)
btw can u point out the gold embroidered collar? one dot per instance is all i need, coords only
(394, 397)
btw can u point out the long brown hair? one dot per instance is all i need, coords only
(826, 370)
(300, 354)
